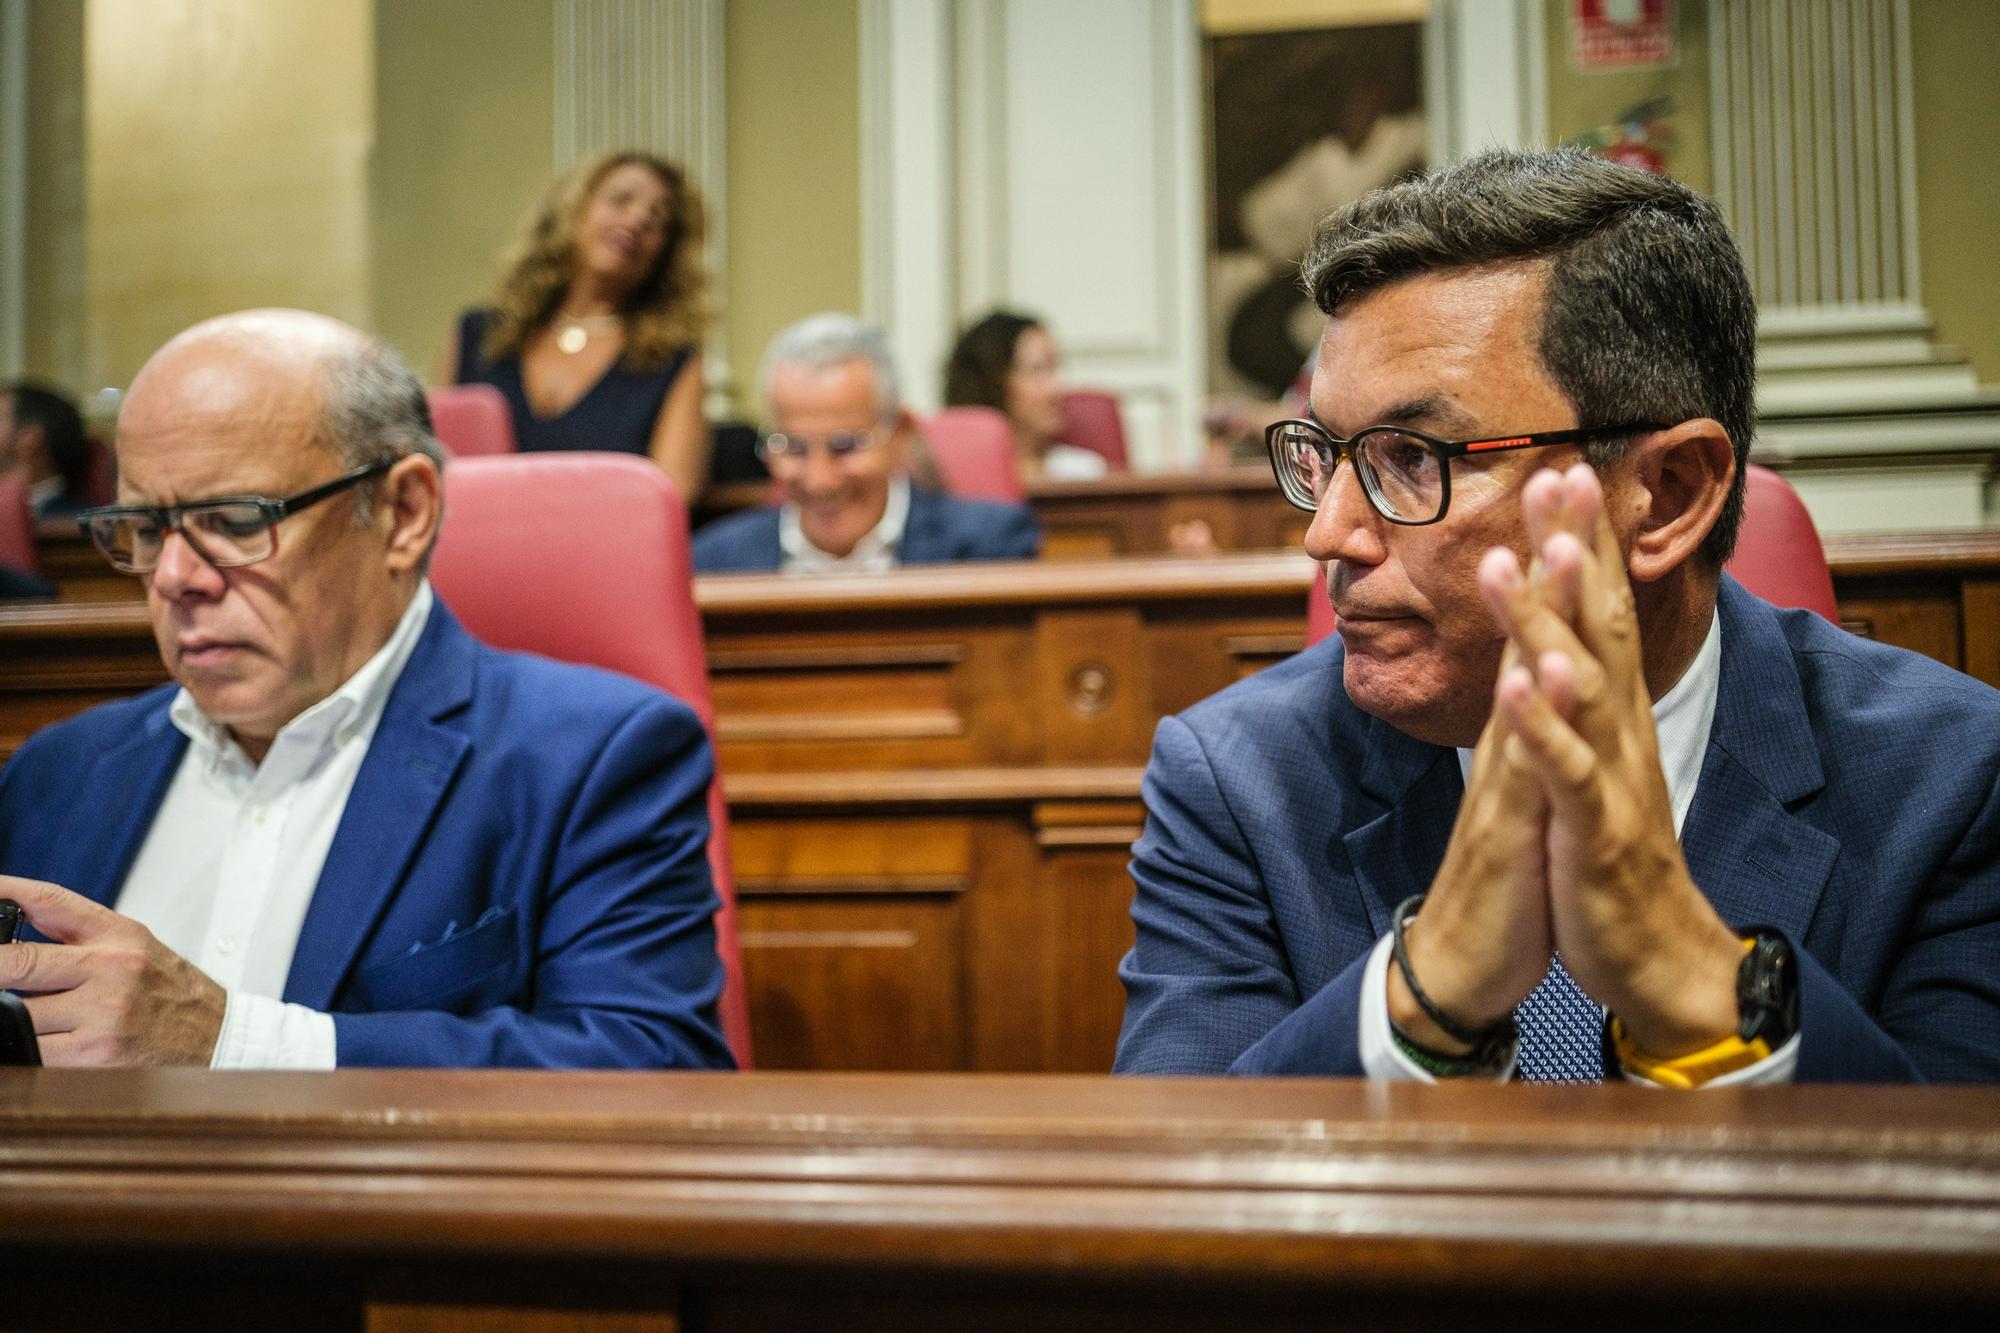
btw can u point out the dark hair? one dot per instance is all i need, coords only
(976, 375)
(62, 427)
(1648, 313)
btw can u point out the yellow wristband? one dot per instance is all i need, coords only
(1695, 1068)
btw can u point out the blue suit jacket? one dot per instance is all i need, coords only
(1850, 797)
(940, 528)
(519, 877)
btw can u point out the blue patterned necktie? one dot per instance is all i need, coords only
(1561, 1032)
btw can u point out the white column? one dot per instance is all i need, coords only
(648, 74)
(1815, 163)
(13, 186)
(1044, 154)
(1485, 76)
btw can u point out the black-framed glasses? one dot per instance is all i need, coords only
(1405, 473)
(781, 449)
(229, 531)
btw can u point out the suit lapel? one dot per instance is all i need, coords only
(1397, 853)
(921, 524)
(416, 752)
(1758, 862)
(134, 778)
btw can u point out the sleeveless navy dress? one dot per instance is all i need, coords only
(616, 414)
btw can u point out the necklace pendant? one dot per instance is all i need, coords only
(572, 338)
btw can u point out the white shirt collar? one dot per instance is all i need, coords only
(1684, 716)
(44, 492)
(350, 712)
(877, 550)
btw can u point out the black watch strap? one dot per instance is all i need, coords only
(1767, 989)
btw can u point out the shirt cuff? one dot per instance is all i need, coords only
(1780, 1066)
(1381, 1058)
(259, 1032)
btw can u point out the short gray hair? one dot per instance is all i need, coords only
(1648, 313)
(373, 410)
(829, 339)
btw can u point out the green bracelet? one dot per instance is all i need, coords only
(1439, 1065)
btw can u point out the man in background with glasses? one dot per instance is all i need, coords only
(840, 451)
(347, 833)
(1560, 801)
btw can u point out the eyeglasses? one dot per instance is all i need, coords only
(228, 532)
(1405, 473)
(779, 449)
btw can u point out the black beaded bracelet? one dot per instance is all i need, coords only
(1488, 1046)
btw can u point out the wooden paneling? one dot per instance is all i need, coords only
(428, 1200)
(933, 777)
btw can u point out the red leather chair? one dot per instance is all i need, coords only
(584, 557)
(472, 420)
(974, 451)
(1778, 555)
(1320, 620)
(1091, 420)
(17, 528)
(100, 478)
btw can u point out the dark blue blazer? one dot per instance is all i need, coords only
(520, 876)
(1850, 797)
(940, 528)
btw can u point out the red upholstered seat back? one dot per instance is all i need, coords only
(584, 557)
(472, 420)
(100, 478)
(1319, 611)
(1778, 555)
(1091, 420)
(974, 451)
(17, 528)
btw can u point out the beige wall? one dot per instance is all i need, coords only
(227, 165)
(54, 279)
(464, 112)
(1582, 100)
(794, 167)
(1958, 206)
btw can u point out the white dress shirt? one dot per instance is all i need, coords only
(228, 868)
(1683, 718)
(43, 493)
(878, 550)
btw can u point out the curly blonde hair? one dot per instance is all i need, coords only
(665, 314)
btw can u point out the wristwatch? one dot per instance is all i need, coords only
(1767, 989)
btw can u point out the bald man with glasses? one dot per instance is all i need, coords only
(346, 833)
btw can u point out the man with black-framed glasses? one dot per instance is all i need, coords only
(840, 451)
(347, 833)
(1560, 801)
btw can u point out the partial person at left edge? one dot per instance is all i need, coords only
(43, 446)
(346, 833)
(594, 334)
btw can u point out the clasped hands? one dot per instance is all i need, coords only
(1565, 839)
(106, 992)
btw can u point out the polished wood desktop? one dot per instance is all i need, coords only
(416, 1200)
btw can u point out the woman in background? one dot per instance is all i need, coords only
(594, 336)
(1009, 361)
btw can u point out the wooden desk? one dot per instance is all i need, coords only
(75, 567)
(933, 779)
(1133, 514)
(424, 1201)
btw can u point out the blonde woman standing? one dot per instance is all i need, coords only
(594, 336)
